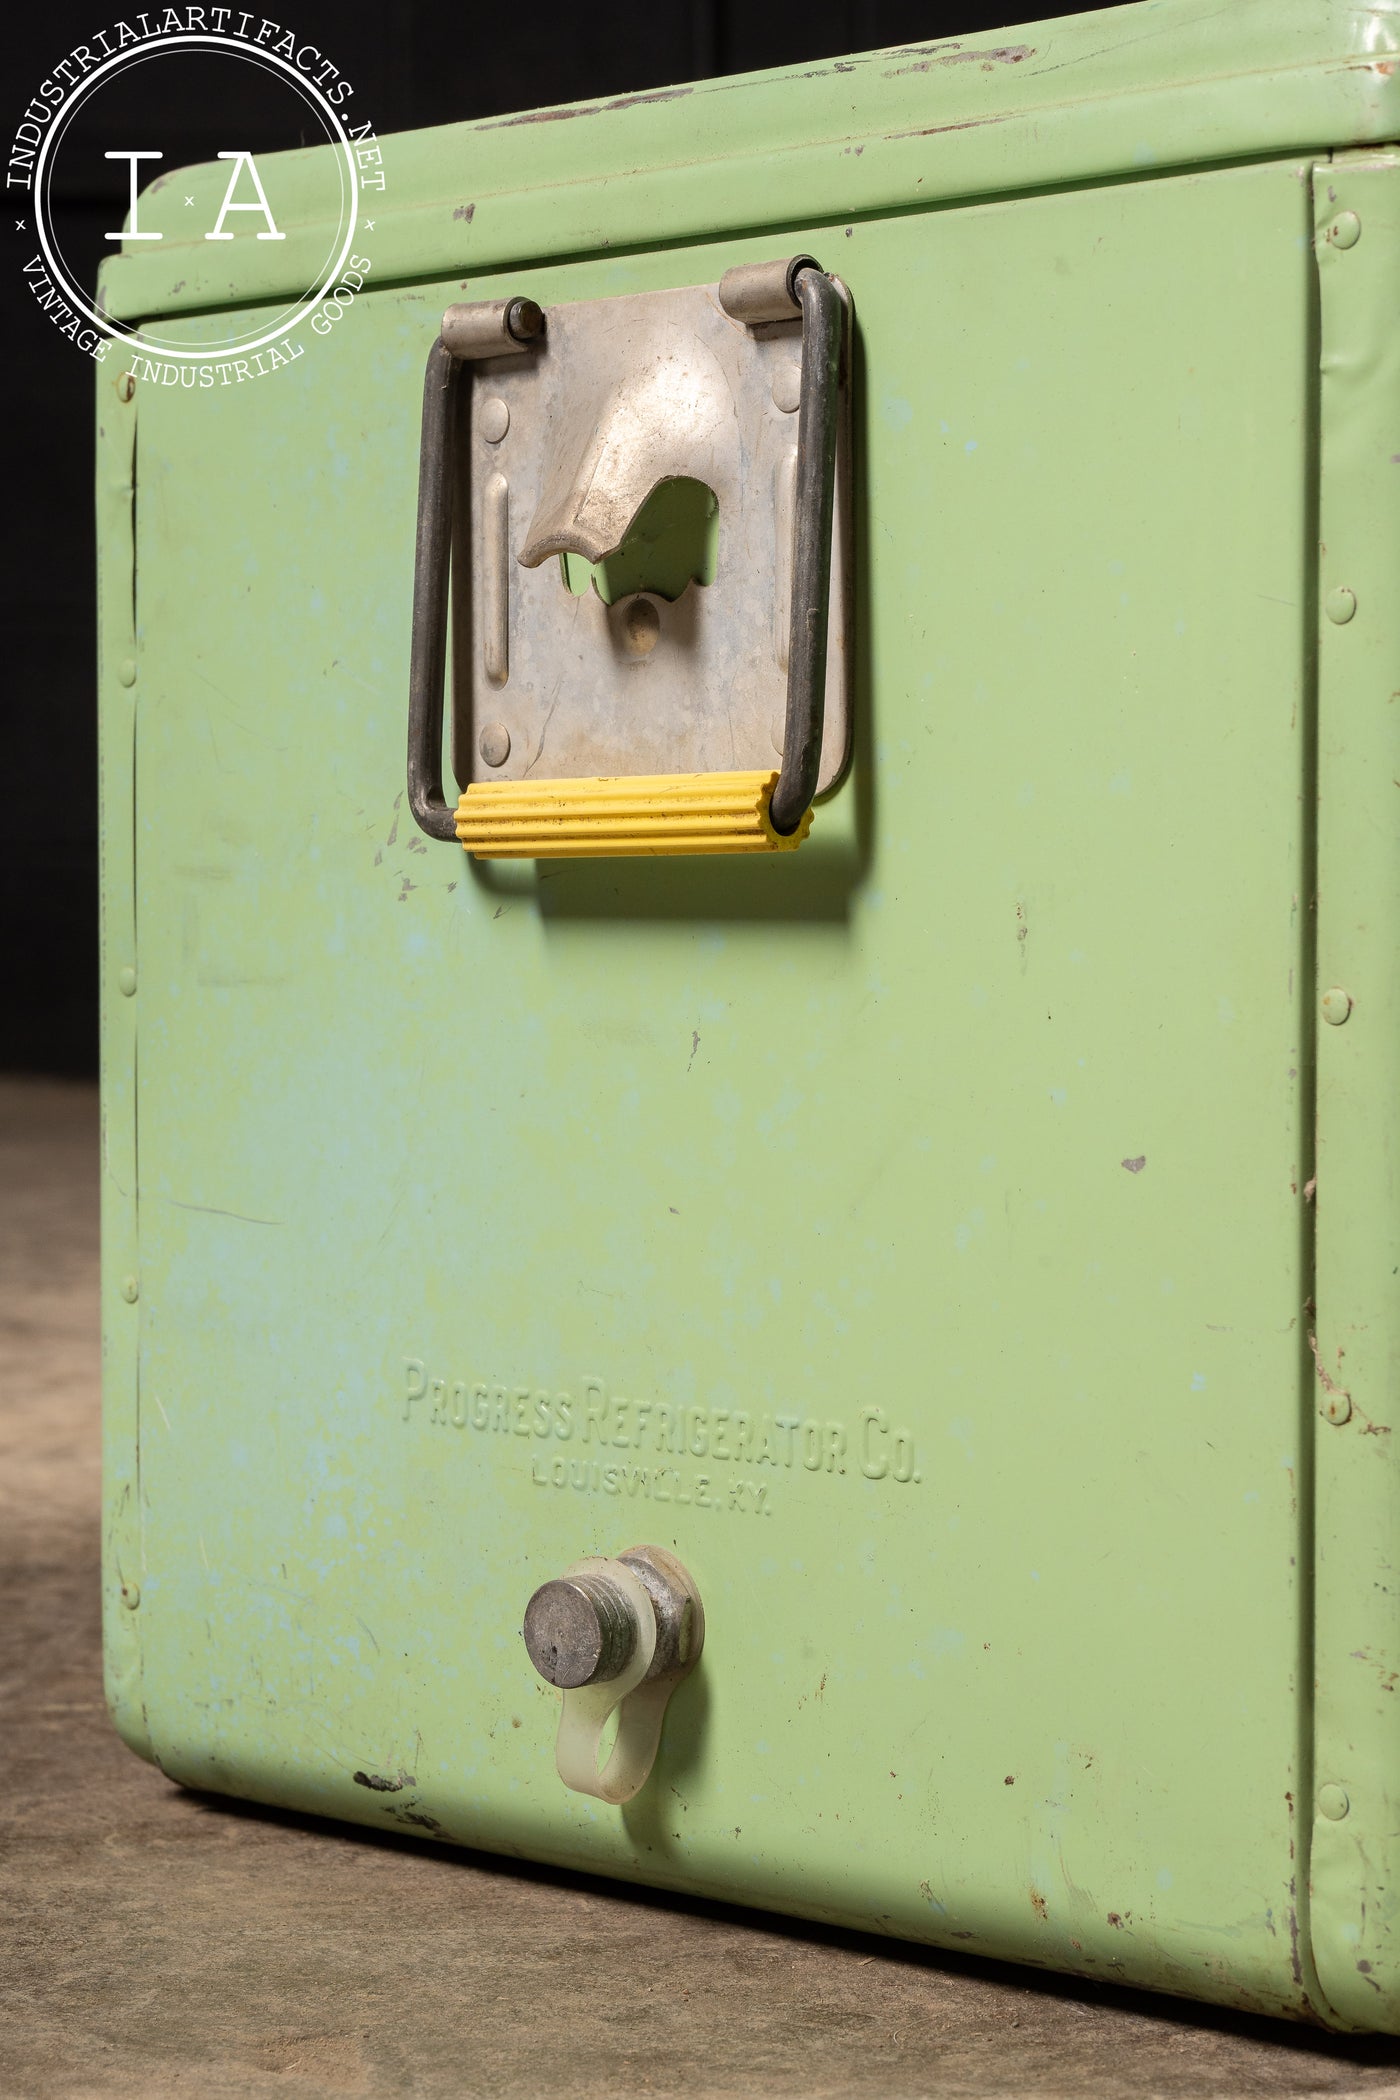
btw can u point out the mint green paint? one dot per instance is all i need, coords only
(975, 1135)
(1356, 1919)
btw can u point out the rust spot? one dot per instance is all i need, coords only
(1115, 1919)
(933, 131)
(1388, 1678)
(1295, 1958)
(1135, 1166)
(1009, 1780)
(997, 55)
(539, 116)
(584, 109)
(1324, 1378)
(1038, 1905)
(381, 1783)
(406, 1815)
(465, 211)
(658, 95)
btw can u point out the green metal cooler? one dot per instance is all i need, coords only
(865, 1192)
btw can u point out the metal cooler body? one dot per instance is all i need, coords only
(967, 1242)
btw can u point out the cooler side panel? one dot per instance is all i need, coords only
(1356, 1901)
(960, 1153)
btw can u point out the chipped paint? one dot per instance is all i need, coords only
(585, 109)
(989, 58)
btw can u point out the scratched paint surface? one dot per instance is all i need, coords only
(906, 1232)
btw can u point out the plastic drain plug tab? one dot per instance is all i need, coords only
(615, 1637)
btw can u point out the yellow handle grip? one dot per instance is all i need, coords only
(655, 814)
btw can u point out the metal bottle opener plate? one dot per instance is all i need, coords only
(563, 449)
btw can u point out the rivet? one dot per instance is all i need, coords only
(1336, 1005)
(494, 744)
(524, 320)
(131, 1289)
(787, 387)
(495, 419)
(1341, 605)
(1345, 230)
(126, 386)
(131, 1595)
(1332, 1801)
(1336, 1408)
(126, 670)
(641, 627)
(126, 981)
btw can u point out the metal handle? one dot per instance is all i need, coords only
(752, 293)
(777, 291)
(490, 328)
(823, 321)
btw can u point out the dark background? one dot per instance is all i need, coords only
(411, 64)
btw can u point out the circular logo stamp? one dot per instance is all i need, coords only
(223, 270)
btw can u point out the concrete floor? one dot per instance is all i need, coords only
(153, 1942)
